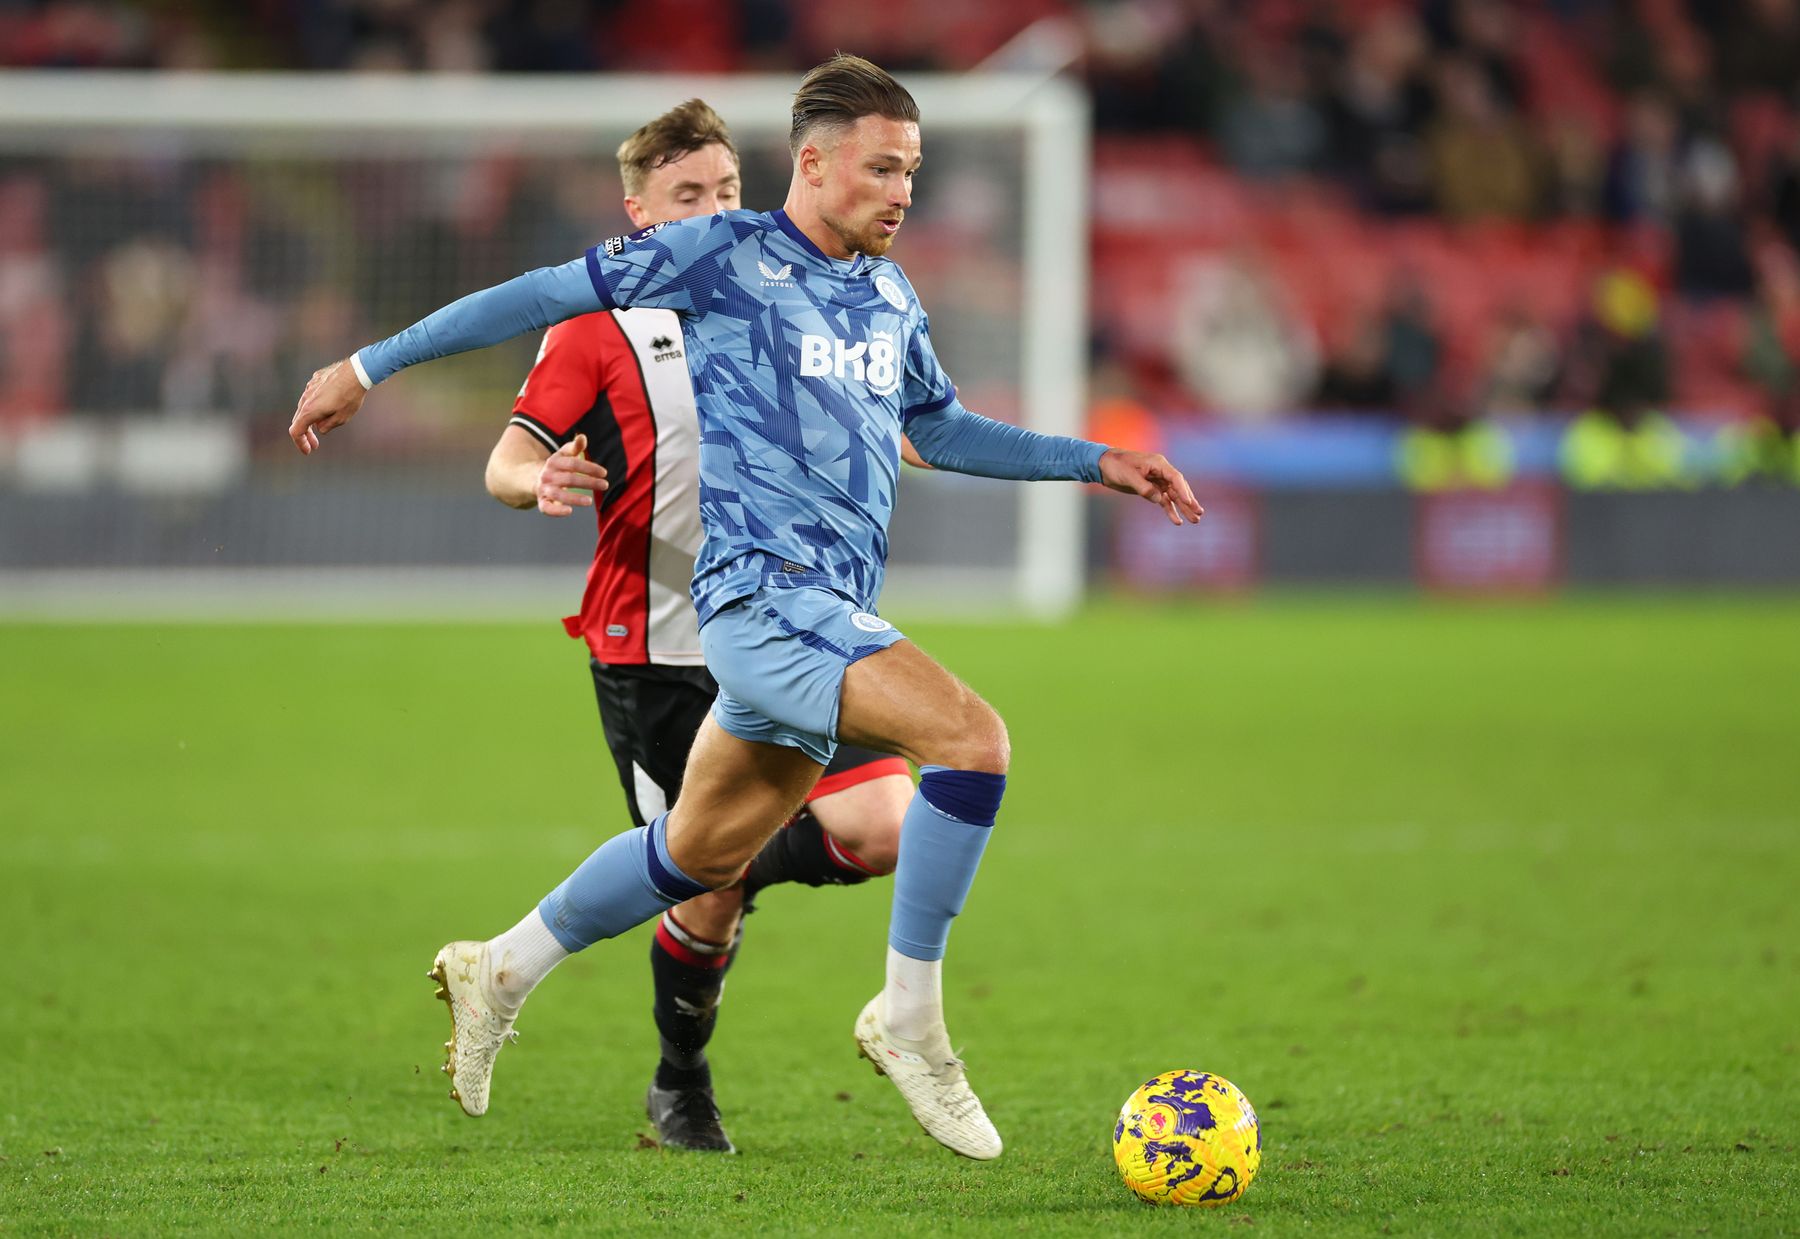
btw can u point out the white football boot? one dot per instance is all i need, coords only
(933, 1085)
(477, 1028)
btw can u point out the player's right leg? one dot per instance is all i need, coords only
(901, 701)
(735, 794)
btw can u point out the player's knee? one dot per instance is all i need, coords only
(879, 850)
(717, 874)
(980, 742)
(702, 859)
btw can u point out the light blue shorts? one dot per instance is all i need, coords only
(779, 657)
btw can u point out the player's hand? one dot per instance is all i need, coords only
(569, 480)
(332, 397)
(1148, 474)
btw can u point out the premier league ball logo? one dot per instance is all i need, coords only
(1187, 1138)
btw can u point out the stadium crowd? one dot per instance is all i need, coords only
(1449, 210)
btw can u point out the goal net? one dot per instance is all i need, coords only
(180, 251)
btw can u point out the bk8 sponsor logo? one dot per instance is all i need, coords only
(876, 363)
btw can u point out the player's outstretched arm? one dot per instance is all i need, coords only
(531, 301)
(951, 437)
(1149, 475)
(522, 473)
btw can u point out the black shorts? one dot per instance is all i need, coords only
(651, 713)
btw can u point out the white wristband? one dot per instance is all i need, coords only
(362, 376)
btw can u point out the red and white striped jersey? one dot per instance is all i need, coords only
(620, 377)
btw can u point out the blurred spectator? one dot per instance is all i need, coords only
(1521, 367)
(1761, 46)
(1376, 113)
(1784, 187)
(1415, 351)
(1618, 363)
(1687, 77)
(1117, 414)
(1272, 128)
(1710, 258)
(140, 294)
(1577, 168)
(1769, 446)
(1321, 43)
(1627, 47)
(1236, 346)
(1484, 33)
(1640, 176)
(1356, 377)
(1618, 372)
(1152, 67)
(1448, 445)
(1484, 164)
(542, 36)
(454, 40)
(34, 326)
(73, 34)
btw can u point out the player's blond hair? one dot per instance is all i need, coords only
(680, 131)
(843, 90)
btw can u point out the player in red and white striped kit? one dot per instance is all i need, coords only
(606, 419)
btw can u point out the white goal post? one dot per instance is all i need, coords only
(46, 117)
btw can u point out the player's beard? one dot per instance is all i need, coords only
(870, 239)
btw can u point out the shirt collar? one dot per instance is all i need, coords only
(850, 266)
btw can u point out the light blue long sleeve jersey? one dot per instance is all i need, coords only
(806, 371)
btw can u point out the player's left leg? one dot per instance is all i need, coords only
(805, 666)
(900, 699)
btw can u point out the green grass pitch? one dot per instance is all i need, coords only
(1494, 912)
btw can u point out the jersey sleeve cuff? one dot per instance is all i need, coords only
(1093, 462)
(537, 431)
(362, 375)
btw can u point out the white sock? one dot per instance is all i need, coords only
(912, 1005)
(519, 958)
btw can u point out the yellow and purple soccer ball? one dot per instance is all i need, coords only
(1187, 1138)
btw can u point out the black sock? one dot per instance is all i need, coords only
(686, 1007)
(800, 852)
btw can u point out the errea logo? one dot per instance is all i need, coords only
(876, 363)
(662, 348)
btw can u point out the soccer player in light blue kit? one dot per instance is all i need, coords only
(810, 357)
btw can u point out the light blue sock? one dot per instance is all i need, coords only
(942, 837)
(629, 879)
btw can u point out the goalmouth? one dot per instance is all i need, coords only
(367, 200)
